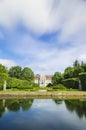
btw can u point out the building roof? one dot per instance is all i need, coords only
(47, 77)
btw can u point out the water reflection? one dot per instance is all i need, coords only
(15, 105)
(58, 101)
(42, 114)
(79, 106)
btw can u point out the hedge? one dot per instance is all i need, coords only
(59, 86)
(13, 82)
(82, 77)
(3, 77)
(71, 83)
(20, 84)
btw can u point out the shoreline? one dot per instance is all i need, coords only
(62, 95)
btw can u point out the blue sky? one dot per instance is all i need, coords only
(45, 35)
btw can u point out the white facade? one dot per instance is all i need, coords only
(43, 80)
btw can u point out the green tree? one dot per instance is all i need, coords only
(77, 70)
(84, 67)
(3, 69)
(68, 73)
(57, 78)
(15, 71)
(76, 63)
(27, 74)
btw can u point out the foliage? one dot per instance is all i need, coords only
(49, 85)
(15, 71)
(84, 67)
(57, 78)
(76, 63)
(3, 69)
(27, 74)
(59, 86)
(71, 83)
(77, 70)
(13, 83)
(68, 73)
(82, 77)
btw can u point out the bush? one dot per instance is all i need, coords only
(24, 85)
(20, 84)
(13, 83)
(71, 83)
(82, 77)
(49, 85)
(59, 86)
(3, 77)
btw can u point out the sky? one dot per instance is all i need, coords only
(45, 35)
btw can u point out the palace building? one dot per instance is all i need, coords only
(43, 80)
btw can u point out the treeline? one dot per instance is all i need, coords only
(73, 77)
(17, 77)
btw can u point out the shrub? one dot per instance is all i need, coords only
(13, 83)
(59, 86)
(24, 85)
(49, 85)
(71, 83)
(82, 77)
(20, 84)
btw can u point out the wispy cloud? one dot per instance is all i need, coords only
(63, 22)
(7, 62)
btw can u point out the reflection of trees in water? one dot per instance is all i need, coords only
(58, 101)
(14, 105)
(2, 108)
(26, 104)
(78, 106)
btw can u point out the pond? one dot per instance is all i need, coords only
(42, 114)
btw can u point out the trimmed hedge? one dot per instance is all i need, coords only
(71, 83)
(20, 84)
(82, 77)
(13, 82)
(59, 86)
(3, 77)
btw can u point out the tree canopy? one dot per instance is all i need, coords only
(15, 71)
(57, 78)
(3, 69)
(27, 74)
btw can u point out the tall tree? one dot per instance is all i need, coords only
(3, 69)
(57, 78)
(15, 71)
(68, 73)
(77, 70)
(76, 63)
(27, 74)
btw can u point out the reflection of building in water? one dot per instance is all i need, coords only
(43, 80)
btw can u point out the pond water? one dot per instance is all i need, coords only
(42, 114)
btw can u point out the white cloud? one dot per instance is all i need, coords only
(8, 63)
(42, 16)
(46, 16)
(47, 59)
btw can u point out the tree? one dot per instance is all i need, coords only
(57, 78)
(77, 70)
(3, 69)
(27, 74)
(84, 67)
(15, 71)
(68, 73)
(76, 63)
